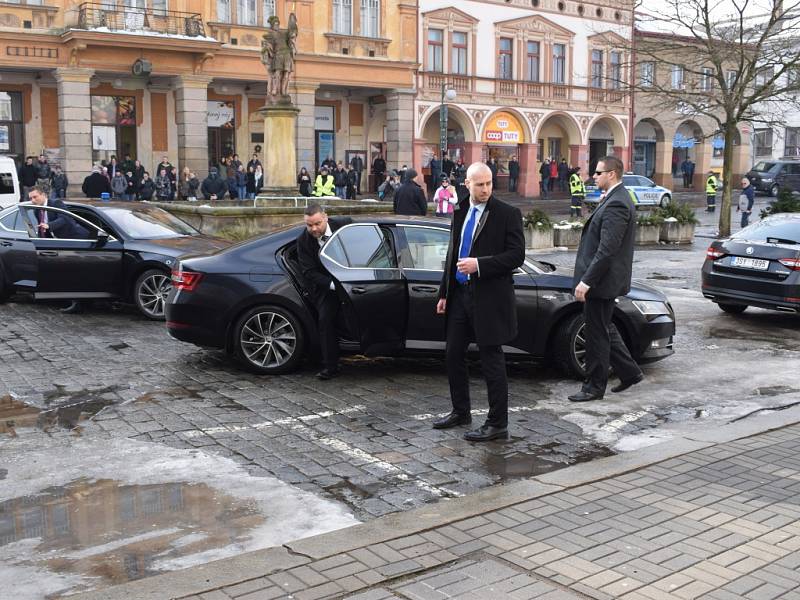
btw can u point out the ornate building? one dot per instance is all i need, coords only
(532, 79)
(81, 81)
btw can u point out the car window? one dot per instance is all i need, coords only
(427, 247)
(13, 222)
(788, 229)
(361, 247)
(630, 181)
(764, 166)
(148, 223)
(62, 224)
(6, 183)
(793, 169)
(646, 182)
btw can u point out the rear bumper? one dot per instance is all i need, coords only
(728, 296)
(194, 324)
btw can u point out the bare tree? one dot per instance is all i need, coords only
(740, 61)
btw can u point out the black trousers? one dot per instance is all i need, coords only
(604, 347)
(460, 332)
(328, 311)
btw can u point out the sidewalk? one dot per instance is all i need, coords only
(714, 516)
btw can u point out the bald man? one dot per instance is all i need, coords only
(476, 296)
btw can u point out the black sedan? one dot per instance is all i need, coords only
(127, 253)
(250, 300)
(756, 266)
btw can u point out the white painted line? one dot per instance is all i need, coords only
(618, 424)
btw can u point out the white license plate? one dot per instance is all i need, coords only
(750, 263)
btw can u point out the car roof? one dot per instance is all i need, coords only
(101, 204)
(783, 217)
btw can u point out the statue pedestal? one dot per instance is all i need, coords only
(280, 156)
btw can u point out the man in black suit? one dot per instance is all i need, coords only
(319, 229)
(602, 272)
(476, 295)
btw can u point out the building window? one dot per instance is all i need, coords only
(224, 11)
(343, 17)
(159, 7)
(647, 74)
(113, 127)
(677, 77)
(615, 68)
(559, 63)
(706, 80)
(12, 129)
(597, 68)
(246, 12)
(532, 62)
(459, 51)
(762, 142)
(730, 79)
(269, 11)
(792, 137)
(370, 9)
(763, 76)
(505, 67)
(435, 49)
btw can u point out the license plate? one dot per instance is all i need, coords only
(750, 263)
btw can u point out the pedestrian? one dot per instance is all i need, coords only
(340, 180)
(321, 287)
(304, 182)
(690, 175)
(402, 174)
(138, 174)
(113, 167)
(188, 186)
(350, 188)
(493, 168)
(232, 185)
(118, 184)
(544, 178)
(476, 295)
(130, 187)
(563, 175)
(577, 193)
(96, 183)
(436, 171)
(163, 186)
(59, 183)
(173, 183)
(410, 199)
(323, 186)
(357, 164)
(330, 164)
(746, 200)
(43, 174)
(258, 182)
(445, 198)
(685, 172)
(459, 178)
(241, 182)
(448, 166)
(105, 174)
(553, 175)
(164, 164)
(128, 164)
(711, 192)
(378, 171)
(214, 186)
(513, 174)
(603, 268)
(235, 163)
(388, 188)
(147, 188)
(28, 175)
(254, 162)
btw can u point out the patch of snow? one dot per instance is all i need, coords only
(195, 38)
(629, 443)
(28, 580)
(103, 548)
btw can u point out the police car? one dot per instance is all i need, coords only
(646, 192)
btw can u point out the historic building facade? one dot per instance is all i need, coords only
(532, 79)
(183, 79)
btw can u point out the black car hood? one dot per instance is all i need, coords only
(178, 246)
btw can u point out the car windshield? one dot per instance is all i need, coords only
(780, 231)
(148, 223)
(764, 166)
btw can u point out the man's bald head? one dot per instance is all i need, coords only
(479, 182)
(478, 167)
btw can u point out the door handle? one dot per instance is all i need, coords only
(425, 288)
(48, 253)
(6, 244)
(359, 290)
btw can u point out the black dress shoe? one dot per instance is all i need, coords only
(454, 419)
(73, 309)
(585, 397)
(327, 373)
(624, 385)
(486, 432)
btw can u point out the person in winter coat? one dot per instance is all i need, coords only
(138, 174)
(214, 186)
(323, 186)
(27, 176)
(553, 175)
(513, 174)
(118, 185)
(147, 187)
(340, 180)
(164, 164)
(130, 187)
(173, 183)
(445, 198)
(187, 188)
(163, 186)
(233, 190)
(409, 198)
(113, 167)
(241, 182)
(563, 175)
(304, 182)
(387, 189)
(544, 181)
(258, 182)
(43, 174)
(96, 184)
(59, 183)
(494, 168)
(350, 187)
(746, 199)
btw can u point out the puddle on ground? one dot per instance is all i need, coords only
(109, 533)
(775, 390)
(542, 459)
(15, 414)
(771, 338)
(662, 277)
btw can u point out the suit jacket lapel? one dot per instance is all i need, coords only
(482, 222)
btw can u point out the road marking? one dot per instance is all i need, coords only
(618, 424)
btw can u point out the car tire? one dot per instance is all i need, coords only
(734, 309)
(773, 191)
(5, 291)
(569, 347)
(269, 340)
(665, 200)
(150, 293)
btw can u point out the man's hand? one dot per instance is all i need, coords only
(580, 292)
(44, 226)
(441, 305)
(467, 266)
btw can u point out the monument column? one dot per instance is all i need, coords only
(191, 117)
(75, 123)
(400, 129)
(305, 100)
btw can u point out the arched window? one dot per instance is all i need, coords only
(370, 18)
(269, 11)
(343, 17)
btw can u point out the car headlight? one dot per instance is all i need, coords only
(649, 307)
(766, 179)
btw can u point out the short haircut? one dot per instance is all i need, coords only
(612, 163)
(37, 188)
(313, 209)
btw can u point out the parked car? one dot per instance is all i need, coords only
(756, 266)
(769, 175)
(251, 300)
(127, 254)
(9, 182)
(646, 192)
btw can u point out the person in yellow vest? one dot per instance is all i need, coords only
(577, 192)
(323, 186)
(711, 192)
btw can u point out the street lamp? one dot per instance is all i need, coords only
(448, 95)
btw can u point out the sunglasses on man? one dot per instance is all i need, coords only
(601, 172)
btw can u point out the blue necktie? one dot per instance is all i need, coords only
(466, 243)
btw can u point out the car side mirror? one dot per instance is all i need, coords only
(101, 237)
(652, 184)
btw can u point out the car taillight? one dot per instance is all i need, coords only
(791, 263)
(185, 280)
(714, 253)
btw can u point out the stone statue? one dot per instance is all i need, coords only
(278, 50)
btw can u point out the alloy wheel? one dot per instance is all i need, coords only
(579, 346)
(153, 293)
(268, 339)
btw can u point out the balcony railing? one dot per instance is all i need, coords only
(107, 15)
(523, 90)
(459, 83)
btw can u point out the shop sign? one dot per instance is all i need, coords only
(220, 114)
(323, 118)
(503, 128)
(681, 141)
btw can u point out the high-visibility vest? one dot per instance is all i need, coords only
(576, 187)
(633, 196)
(323, 188)
(711, 185)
